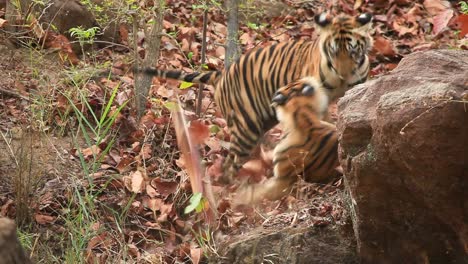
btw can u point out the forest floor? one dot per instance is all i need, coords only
(87, 181)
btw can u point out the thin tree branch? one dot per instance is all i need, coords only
(203, 59)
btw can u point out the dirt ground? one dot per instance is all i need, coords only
(42, 159)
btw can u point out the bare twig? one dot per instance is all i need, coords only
(402, 131)
(11, 93)
(203, 59)
(12, 153)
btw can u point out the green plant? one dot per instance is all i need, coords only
(252, 26)
(205, 240)
(82, 211)
(196, 203)
(84, 36)
(464, 7)
(96, 130)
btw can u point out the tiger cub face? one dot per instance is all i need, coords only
(345, 42)
(306, 94)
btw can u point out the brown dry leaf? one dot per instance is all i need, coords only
(462, 20)
(195, 255)
(5, 209)
(3, 22)
(133, 251)
(164, 188)
(102, 240)
(185, 47)
(135, 182)
(214, 144)
(44, 219)
(216, 169)
(122, 97)
(219, 28)
(188, 150)
(198, 131)
(89, 152)
(441, 20)
(220, 52)
(152, 204)
(434, 7)
(123, 30)
(167, 25)
(247, 39)
(151, 191)
(146, 152)
(384, 46)
(399, 24)
(63, 45)
(123, 164)
(357, 4)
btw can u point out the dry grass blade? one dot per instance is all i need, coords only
(191, 156)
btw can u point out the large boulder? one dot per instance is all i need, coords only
(67, 14)
(404, 152)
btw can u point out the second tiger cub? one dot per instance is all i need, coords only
(309, 147)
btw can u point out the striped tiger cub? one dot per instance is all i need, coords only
(309, 147)
(338, 59)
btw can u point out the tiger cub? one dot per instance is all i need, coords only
(309, 147)
(337, 58)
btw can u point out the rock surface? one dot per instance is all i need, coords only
(11, 250)
(67, 14)
(305, 245)
(404, 151)
(315, 229)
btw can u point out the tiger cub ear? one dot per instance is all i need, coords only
(363, 18)
(322, 19)
(279, 99)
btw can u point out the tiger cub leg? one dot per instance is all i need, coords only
(239, 152)
(272, 189)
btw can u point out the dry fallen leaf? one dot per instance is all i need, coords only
(164, 188)
(89, 152)
(215, 171)
(133, 251)
(441, 20)
(462, 20)
(3, 22)
(384, 47)
(44, 219)
(434, 7)
(195, 255)
(134, 182)
(198, 131)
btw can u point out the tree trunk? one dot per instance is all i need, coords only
(143, 82)
(232, 48)
(11, 251)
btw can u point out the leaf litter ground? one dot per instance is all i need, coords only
(143, 176)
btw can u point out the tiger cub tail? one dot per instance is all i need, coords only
(210, 77)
